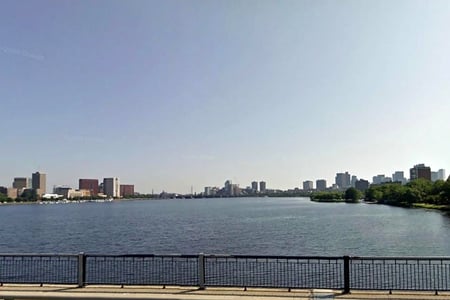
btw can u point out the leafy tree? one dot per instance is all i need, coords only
(353, 195)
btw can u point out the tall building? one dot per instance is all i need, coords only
(438, 175)
(262, 186)
(434, 176)
(21, 183)
(399, 176)
(420, 171)
(362, 185)
(254, 186)
(39, 183)
(111, 187)
(379, 179)
(308, 185)
(343, 180)
(126, 190)
(321, 184)
(89, 184)
(228, 187)
(354, 180)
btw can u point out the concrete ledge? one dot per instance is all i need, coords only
(60, 292)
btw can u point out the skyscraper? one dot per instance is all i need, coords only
(111, 187)
(343, 180)
(321, 184)
(308, 185)
(399, 176)
(39, 183)
(89, 184)
(420, 171)
(262, 186)
(21, 183)
(254, 186)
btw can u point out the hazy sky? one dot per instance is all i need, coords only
(173, 94)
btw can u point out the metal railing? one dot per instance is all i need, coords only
(361, 273)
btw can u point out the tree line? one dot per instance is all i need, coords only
(414, 193)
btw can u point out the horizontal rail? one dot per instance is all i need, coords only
(220, 270)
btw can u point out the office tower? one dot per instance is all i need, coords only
(434, 176)
(207, 191)
(420, 171)
(399, 176)
(343, 180)
(441, 174)
(381, 178)
(262, 186)
(254, 186)
(308, 185)
(228, 188)
(353, 181)
(362, 185)
(89, 184)
(39, 183)
(126, 190)
(321, 184)
(111, 187)
(21, 183)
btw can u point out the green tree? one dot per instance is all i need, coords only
(353, 195)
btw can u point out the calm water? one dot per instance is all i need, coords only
(275, 226)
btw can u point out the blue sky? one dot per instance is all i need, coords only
(173, 94)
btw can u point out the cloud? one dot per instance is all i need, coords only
(22, 53)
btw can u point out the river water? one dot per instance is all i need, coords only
(262, 226)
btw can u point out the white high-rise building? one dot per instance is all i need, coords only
(399, 176)
(111, 187)
(441, 174)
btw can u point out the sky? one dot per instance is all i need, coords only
(169, 95)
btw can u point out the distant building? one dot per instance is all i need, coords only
(4, 190)
(438, 175)
(89, 184)
(379, 179)
(207, 191)
(308, 185)
(321, 184)
(254, 186)
(353, 181)
(126, 190)
(64, 191)
(399, 176)
(39, 183)
(12, 193)
(21, 183)
(111, 187)
(434, 176)
(420, 171)
(228, 188)
(362, 185)
(343, 180)
(262, 186)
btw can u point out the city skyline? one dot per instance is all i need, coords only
(114, 188)
(171, 95)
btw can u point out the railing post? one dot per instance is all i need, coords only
(81, 269)
(201, 271)
(346, 274)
